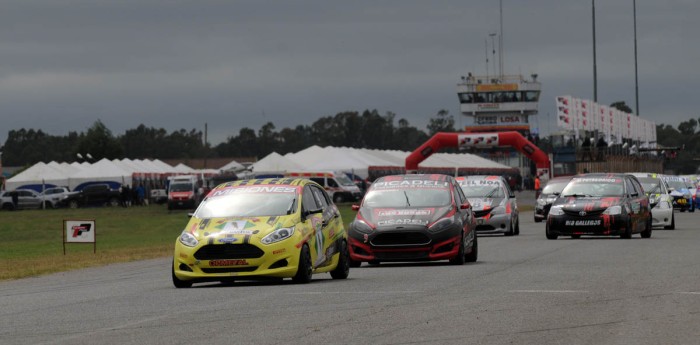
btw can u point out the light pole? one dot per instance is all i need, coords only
(636, 80)
(595, 67)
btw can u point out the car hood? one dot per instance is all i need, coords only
(483, 204)
(679, 193)
(236, 229)
(587, 204)
(381, 217)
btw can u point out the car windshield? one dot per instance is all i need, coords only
(651, 185)
(181, 187)
(677, 185)
(241, 203)
(594, 187)
(483, 191)
(344, 180)
(554, 187)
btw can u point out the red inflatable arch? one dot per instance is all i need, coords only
(480, 140)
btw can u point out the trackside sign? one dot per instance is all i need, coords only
(79, 231)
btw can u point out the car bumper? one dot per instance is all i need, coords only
(494, 224)
(600, 225)
(682, 203)
(661, 217)
(408, 244)
(277, 261)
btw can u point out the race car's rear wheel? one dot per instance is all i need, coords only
(511, 230)
(177, 282)
(550, 236)
(471, 257)
(343, 269)
(517, 226)
(673, 223)
(647, 229)
(305, 268)
(459, 258)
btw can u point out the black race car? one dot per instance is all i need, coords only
(550, 192)
(413, 218)
(600, 205)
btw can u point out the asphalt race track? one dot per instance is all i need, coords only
(523, 290)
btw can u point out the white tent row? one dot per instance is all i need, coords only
(75, 175)
(358, 161)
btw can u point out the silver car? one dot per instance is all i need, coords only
(660, 201)
(494, 204)
(53, 196)
(26, 199)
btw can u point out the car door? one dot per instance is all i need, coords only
(635, 202)
(643, 198)
(313, 223)
(329, 227)
(465, 214)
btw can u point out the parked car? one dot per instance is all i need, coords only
(92, 195)
(494, 204)
(549, 193)
(52, 196)
(600, 205)
(336, 184)
(253, 229)
(413, 218)
(660, 201)
(26, 199)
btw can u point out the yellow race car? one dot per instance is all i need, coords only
(266, 228)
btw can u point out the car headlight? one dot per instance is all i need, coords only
(188, 239)
(613, 210)
(556, 211)
(362, 226)
(278, 235)
(441, 224)
(541, 202)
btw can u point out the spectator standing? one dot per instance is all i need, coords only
(140, 194)
(126, 195)
(15, 199)
(537, 187)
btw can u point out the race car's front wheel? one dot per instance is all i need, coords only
(305, 268)
(628, 231)
(343, 269)
(673, 223)
(459, 258)
(177, 282)
(647, 229)
(471, 257)
(549, 235)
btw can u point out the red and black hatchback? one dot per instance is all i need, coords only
(600, 205)
(413, 218)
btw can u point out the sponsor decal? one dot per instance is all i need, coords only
(480, 182)
(237, 262)
(592, 222)
(236, 227)
(394, 213)
(228, 240)
(401, 221)
(279, 251)
(597, 180)
(410, 184)
(254, 189)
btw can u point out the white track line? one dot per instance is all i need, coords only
(688, 292)
(548, 291)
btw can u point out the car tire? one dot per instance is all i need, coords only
(517, 226)
(549, 235)
(647, 230)
(305, 268)
(511, 229)
(343, 269)
(374, 262)
(459, 258)
(338, 198)
(673, 223)
(73, 204)
(628, 231)
(355, 263)
(180, 284)
(8, 207)
(576, 237)
(474, 255)
(692, 209)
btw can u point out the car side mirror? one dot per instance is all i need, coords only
(310, 212)
(634, 194)
(190, 214)
(671, 189)
(512, 195)
(355, 207)
(465, 206)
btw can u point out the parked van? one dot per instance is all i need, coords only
(182, 192)
(337, 184)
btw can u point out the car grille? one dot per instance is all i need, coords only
(228, 251)
(400, 239)
(578, 214)
(229, 269)
(379, 256)
(479, 214)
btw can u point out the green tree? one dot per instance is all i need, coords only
(442, 122)
(621, 106)
(99, 143)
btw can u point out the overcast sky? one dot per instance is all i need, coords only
(177, 64)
